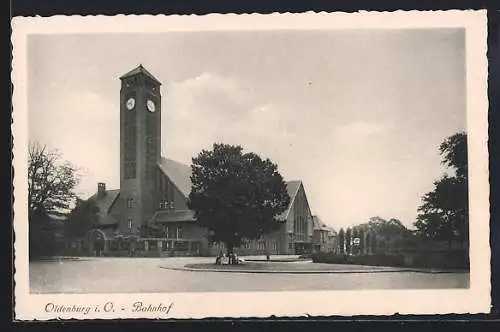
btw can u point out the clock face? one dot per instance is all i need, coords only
(130, 103)
(151, 105)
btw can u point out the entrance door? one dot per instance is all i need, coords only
(98, 247)
(195, 248)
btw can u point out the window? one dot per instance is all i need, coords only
(181, 245)
(179, 232)
(167, 205)
(275, 246)
(169, 230)
(130, 202)
(129, 223)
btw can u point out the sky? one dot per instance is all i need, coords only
(357, 115)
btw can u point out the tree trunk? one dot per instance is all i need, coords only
(450, 232)
(230, 249)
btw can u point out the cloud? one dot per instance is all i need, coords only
(84, 127)
(359, 129)
(214, 108)
(213, 92)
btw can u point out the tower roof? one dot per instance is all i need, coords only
(140, 70)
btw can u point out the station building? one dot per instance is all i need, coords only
(154, 190)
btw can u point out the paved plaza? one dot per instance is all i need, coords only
(146, 275)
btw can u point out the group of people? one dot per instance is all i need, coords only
(232, 258)
(229, 259)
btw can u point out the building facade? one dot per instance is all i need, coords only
(154, 190)
(324, 237)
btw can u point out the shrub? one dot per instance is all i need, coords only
(456, 259)
(417, 259)
(374, 260)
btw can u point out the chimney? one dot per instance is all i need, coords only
(101, 189)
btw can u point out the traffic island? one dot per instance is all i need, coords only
(294, 268)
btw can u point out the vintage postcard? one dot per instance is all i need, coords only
(250, 165)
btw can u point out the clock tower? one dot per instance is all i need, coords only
(140, 147)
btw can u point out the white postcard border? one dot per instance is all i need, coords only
(476, 299)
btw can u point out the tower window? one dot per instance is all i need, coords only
(130, 202)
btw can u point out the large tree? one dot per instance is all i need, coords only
(51, 181)
(236, 195)
(341, 241)
(388, 235)
(348, 241)
(454, 153)
(444, 211)
(83, 217)
(362, 244)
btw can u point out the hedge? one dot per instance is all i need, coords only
(433, 260)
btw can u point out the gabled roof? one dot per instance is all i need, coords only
(140, 70)
(178, 173)
(105, 203)
(292, 187)
(320, 225)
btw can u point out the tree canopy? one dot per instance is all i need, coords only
(51, 181)
(383, 234)
(82, 218)
(444, 211)
(348, 241)
(236, 195)
(454, 153)
(51, 184)
(385, 228)
(341, 240)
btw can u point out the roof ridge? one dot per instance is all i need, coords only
(114, 200)
(292, 199)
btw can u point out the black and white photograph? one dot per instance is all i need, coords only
(193, 166)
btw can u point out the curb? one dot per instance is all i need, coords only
(278, 260)
(304, 271)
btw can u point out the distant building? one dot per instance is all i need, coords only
(324, 237)
(154, 189)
